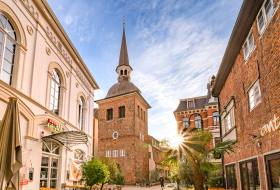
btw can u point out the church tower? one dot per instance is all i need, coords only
(123, 123)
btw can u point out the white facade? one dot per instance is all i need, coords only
(42, 48)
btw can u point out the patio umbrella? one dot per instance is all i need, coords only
(10, 147)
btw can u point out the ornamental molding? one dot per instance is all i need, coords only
(31, 9)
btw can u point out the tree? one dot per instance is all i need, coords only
(116, 176)
(197, 153)
(95, 172)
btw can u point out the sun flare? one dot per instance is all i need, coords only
(176, 141)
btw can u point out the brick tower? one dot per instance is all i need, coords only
(122, 127)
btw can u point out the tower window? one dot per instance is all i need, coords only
(121, 72)
(125, 72)
(121, 111)
(109, 114)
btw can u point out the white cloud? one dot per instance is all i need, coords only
(176, 65)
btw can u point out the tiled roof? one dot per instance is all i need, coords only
(199, 102)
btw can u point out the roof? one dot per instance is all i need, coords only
(243, 24)
(47, 12)
(122, 87)
(199, 102)
(123, 60)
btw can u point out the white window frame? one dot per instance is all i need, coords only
(186, 122)
(81, 113)
(250, 46)
(108, 153)
(266, 17)
(254, 99)
(228, 118)
(115, 153)
(122, 153)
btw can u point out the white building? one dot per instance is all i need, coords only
(40, 66)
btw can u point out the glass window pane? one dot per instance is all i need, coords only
(45, 161)
(43, 183)
(10, 45)
(8, 67)
(261, 21)
(53, 173)
(268, 8)
(53, 184)
(6, 77)
(44, 173)
(54, 163)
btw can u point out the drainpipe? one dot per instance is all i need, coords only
(220, 126)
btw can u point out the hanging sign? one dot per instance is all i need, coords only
(54, 126)
(271, 126)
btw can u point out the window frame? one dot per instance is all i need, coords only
(184, 121)
(256, 99)
(55, 89)
(266, 18)
(232, 174)
(247, 44)
(255, 172)
(196, 121)
(81, 113)
(216, 118)
(228, 116)
(268, 158)
(122, 111)
(109, 114)
(4, 47)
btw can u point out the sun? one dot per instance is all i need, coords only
(176, 141)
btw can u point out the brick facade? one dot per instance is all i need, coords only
(263, 65)
(204, 107)
(127, 147)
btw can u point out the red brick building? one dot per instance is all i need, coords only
(199, 112)
(248, 87)
(123, 124)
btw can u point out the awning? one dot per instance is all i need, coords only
(68, 137)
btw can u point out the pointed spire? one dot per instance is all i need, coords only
(123, 60)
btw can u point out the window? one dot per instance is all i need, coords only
(249, 174)
(186, 123)
(197, 121)
(254, 95)
(49, 165)
(121, 111)
(190, 104)
(138, 111)
(122, 153)
(150, 155)
(81, 113)
(144, 116)
(7, 49)
(264, 16)
(79, 155)
(230, 177)
(108, 153)
(121, 72)
(273, 171)
(55, 92)
(125, 72)
(110, 114)
(249, 45)
(141, 114)
(216, 118)
(141, 137)
(115, 153)
(228, 119)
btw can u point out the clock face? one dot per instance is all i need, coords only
(115, 135)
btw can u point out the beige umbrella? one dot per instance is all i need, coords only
(10, 147)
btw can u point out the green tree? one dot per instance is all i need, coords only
(116, 176)
(95, 172)
(196, 151)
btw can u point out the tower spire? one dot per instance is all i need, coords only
(123, 69)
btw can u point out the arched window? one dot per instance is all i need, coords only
(197, 120)
(51, 147)
(121, 72)
(7, 49)
(81, 114)
(125, 72)
(55, 92)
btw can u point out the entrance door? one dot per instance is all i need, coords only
(273, 171)
(49, 165)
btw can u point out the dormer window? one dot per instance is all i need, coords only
(190, 104)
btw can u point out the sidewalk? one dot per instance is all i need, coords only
(157, 187)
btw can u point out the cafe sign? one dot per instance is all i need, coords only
(54, 126)
(271, 126)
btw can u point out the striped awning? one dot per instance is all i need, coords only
(68, 137)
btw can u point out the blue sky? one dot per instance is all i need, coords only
(174, 46)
